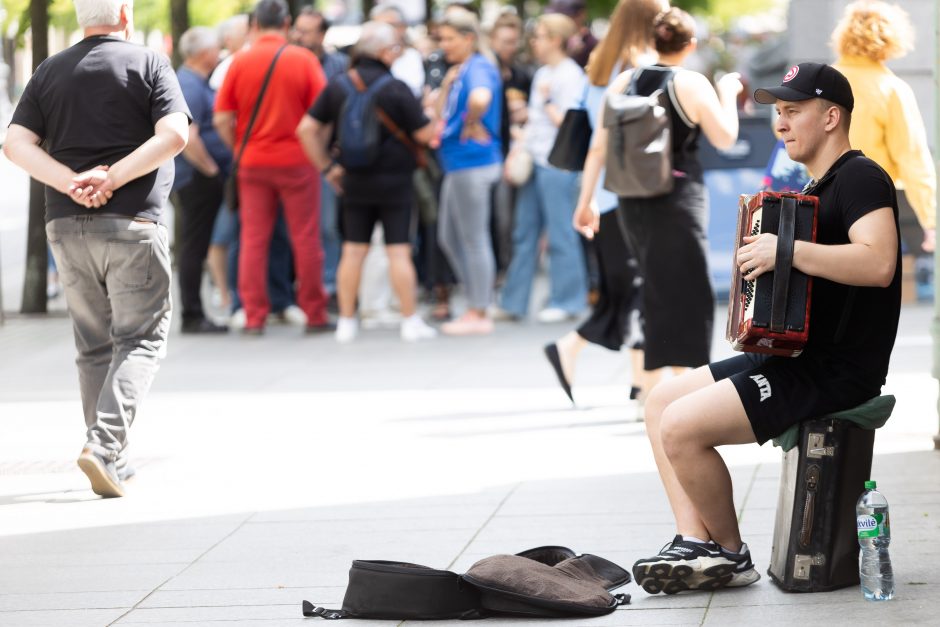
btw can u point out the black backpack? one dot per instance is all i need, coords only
(639, 138)
(359, 133)
(544, 582)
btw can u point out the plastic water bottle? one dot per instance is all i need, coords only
(874, 536)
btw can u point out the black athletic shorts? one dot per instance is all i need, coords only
(358, 219)
(778, 392)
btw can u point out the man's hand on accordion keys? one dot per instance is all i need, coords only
(758, 255)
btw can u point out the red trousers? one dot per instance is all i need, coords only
(297, 190)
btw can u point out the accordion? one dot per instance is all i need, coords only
(770, 314)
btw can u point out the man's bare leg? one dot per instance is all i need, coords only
(688, 521)
(688, 416)
(690, 429)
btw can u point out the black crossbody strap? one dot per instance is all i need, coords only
(785, 243)
(254, 113)
(310, 611)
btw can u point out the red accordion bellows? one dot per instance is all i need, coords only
(771, 313)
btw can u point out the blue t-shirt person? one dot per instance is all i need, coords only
(200, 98)
(456, 153)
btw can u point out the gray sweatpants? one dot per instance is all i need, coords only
(464, 230)
(116, 276)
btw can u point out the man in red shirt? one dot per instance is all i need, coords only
(273, 167)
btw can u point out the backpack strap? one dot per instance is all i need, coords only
(254, 113)
(310, 611)
(416, 151)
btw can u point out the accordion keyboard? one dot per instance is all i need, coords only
(750, 286)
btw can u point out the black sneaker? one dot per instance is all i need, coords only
(744, 572)
(102, 474)
(685, 565)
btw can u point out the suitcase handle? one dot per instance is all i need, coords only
(809, 505)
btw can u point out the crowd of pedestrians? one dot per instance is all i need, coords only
(464, 102)
(467, 104)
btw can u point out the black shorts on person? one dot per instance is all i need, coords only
(358, 219)
(778, 392)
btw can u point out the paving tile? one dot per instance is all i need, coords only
(86, 578)
(69, 600)
(325, 596)
(61, 618)
(201, 615)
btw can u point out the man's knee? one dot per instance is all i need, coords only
(354, 252)
(398, 253)
(674, 432)
(663, 394)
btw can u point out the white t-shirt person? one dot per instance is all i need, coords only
(566, 82)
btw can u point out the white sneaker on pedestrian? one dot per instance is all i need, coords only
(293, 315)
(414, 329)
(237, 320)
(346, 330)
(551, 315)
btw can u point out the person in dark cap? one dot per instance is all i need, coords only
(856, 299)
(582, 44)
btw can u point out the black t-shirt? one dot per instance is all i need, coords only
(94, 104)
(393, 169)
(858, 187)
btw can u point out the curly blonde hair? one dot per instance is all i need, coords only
(874, 30)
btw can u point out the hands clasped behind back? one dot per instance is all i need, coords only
(93, 188)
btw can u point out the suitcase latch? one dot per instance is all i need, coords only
(816, 446)
(802, 564)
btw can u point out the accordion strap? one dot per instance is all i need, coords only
(784, 264)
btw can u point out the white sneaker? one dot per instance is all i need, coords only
(294, 316)
(237, 319)
(346, 330)
(414, 329)
(551, 315)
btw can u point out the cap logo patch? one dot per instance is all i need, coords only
(791, 74)
(819, 92)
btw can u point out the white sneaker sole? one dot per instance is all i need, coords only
(739, 580)
(670, 577)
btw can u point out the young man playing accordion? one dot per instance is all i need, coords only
(855, 265)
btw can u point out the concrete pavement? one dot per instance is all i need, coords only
(267, 464)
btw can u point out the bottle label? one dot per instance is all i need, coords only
(871, 526)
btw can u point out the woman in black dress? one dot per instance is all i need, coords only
(668, 233)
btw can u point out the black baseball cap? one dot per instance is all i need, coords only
(810, 80)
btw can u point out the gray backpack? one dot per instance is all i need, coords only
(639, 139)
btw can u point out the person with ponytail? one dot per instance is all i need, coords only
(629, 42)
(668, 232)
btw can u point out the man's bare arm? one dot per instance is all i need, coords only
(868, 260)
(315, 137)
(22, 148)
(224, 123)
(198, 155)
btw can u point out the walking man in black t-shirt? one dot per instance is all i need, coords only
(753, 398)
(99, 125)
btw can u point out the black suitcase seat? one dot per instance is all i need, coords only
(815, 547)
